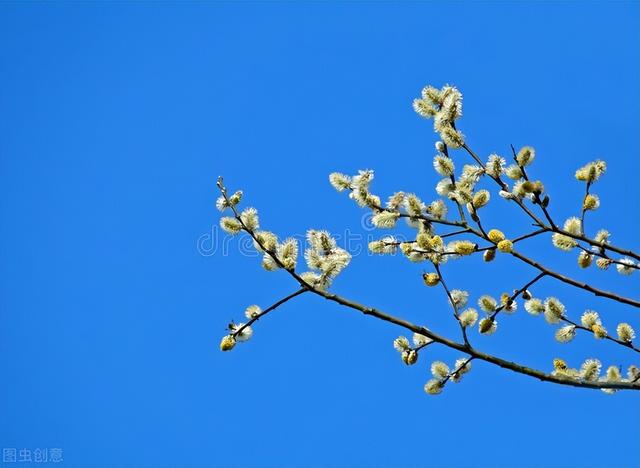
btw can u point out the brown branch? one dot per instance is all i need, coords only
(472, 351)
(269, 309)
(536, 196)
(606, 337)
(464, 347)
(559, 276)
(578, 284)
(456, 313)
(605, 256)
(527, 236)
(553, 227)
(515, 295)
(457, 370)
(584, 209)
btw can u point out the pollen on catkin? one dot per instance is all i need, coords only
(464, 247)
(287, 253)
(221, 203)
(513, 172)
(495, 236)
(534, 306)
(559, 364)
(439, 369)
(395, 201)
(591, 172)
(253, 311)
(413, 205)
(227, 343)
(386, 245)
(590, 369)
(563, 242)
(626, 266)
(433, 387)
(489, 255)
(505, 246)
(602, 236)
(339, 181)
(590, 318)
(401, 344)
(230, 225)
(250, 219)
(430, 279)
(599, 331)
(420, 340)
(495, 165)
(423, 108)
(591, 202)
(452, 137)
(573, 225)
(443, 165)
(625, 332)
(459, 297)
(267, 239)
(488, 326)
(385, 219)
(584, 259)
(437, 209)
(553, 310)
(469, 317)
(633, 373)
(462, 366)
(525, 156)
(409, 357)
(566, 334)
(487, 303)
(481, 198)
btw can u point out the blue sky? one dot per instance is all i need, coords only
(117, 118)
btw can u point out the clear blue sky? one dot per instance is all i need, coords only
(115, 120)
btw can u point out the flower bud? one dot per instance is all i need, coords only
(625, 332)
(464, 247)
(235, 198)
(227, 343)
(433, 387)
(495, 236)
(585, 259)
(430, 279)
(481, 198)
(599, 331)
(410, 357)
(591, 202)
(505, 246)
(489, 255)
(559, 364)
(230, 225)
(487, 326)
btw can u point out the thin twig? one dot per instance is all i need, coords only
(626, 344)
(515, 295)
(456, 313)
(269, 309)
